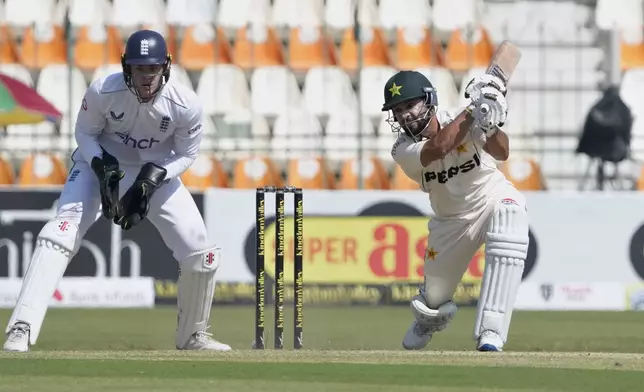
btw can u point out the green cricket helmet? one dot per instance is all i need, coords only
(406, 86)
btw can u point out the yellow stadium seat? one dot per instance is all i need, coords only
(204, 46)
(416, 49)
(257, 46)
(309, 47)
(400, 181)
(6, 172)
(524, 173)
(375, 175)
(374, 49)
(256, 172)
(43, 45)
(310, 173)
(206, 172)
(8, 47)
(462, 55)
(41, 169)
(97, 46)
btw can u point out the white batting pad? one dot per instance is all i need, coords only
(196, 288)
(56, 243)
(506, 248)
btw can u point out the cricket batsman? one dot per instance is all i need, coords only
(451, 155)
(137, 132)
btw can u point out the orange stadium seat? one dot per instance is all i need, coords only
(257, 46)
(462, 55)
(8, 47)
(400, 181)
(6, 172)
(42, 169)
(97, 46)
(374, 49)
(415, 48)
(256, 172)
(310, 173)
(524, 173)
(204, 46)
(632, 52)
(206, 172)
(309, 47)
(375, 177)
(43, 45)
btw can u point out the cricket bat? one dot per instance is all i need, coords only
(504, 61)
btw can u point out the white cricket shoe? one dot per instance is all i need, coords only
(204, 341)
(489, 341)
(417, 336)
(18, 338)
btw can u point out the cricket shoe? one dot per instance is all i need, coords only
(203, 341)
(489, 341)
(427, 322)
(18, 338)
(417, 336)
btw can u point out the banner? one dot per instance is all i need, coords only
(374, 242)
(88, 293)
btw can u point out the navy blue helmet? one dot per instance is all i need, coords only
(146, 49)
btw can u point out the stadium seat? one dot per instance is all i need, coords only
(339, 14)
(274, 90)
(450, 15)
(296, 133)
(554, 58)
(106, 70)
(400, 181)
(185, 13)
(632, 49)
(289, 14)
(97, 45)
(639, 184)
(443, 81)
(31, 137)
(344, 122)
(375, 50)
(179, 75)
(631, 87)
(128, 15)
(257, 46)
(8, 47)
(41, 170)
(243, 134)
(372, 174)
(463, 53)
(309, 47)
(619, 14)
(204, 46)
(416, 49)
(524, 173)
(88, 12)
(256, 172)
(43, 45)
(237, 14)
(54, 85)
(18, 72)
(415, 13)
(223, 88)
(310, 173)
(6, 172)
(24, 13)
(328, 90)
(372, 83)
(206, 172)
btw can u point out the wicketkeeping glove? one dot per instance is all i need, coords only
(108, 174)
(135, 203)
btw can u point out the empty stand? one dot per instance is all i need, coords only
(88, 12)
(223, 88)
(310, 173)
(97, 45)
(256, 172)
(185, 13)
(6, 172)
(309, 47)
(42, 170)
(367, 173)
(328, 90)
(206, 172)
(203, 46)
(257, 46)
(525, 174)
(274, 90)
(43, 44)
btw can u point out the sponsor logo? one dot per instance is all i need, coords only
(117, 117)
(445, 175)
(84, 104)
(145, 45)
(165, 123)
(72, 177)
(195, 129)
(547, 290)
(141, 144)
(508, 202)
(210, 258)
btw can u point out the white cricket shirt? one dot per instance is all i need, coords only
(166, 131)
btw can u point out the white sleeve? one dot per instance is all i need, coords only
(406, 153)
(90, 123)
(187, 140)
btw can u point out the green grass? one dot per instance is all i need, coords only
(346, 349)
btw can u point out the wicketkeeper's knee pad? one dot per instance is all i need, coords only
(435, 319)
(57, 242)
(195, 291)
(506, 248)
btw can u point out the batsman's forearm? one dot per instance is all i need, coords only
(446, 139)
(498, 146)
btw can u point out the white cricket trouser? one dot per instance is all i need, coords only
(451, 245)
(172, 210)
